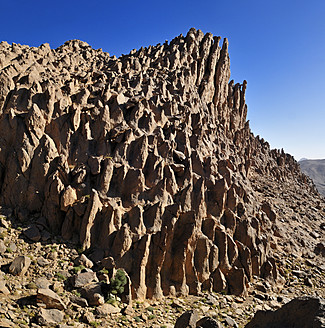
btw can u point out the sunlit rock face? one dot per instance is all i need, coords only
(146, 160)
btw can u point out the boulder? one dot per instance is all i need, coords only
(107, 309)
(48, 317)
(20, 265)
(208, 322)
(302, 312)
(50, 299)
(83, 260)
(93, 294)
(187, 320)
(84, 278)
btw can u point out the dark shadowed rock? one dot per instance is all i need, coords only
(187, 320)
(78, 300)
(93, 294)
(302, 312)
(33, 233)
(208, 322)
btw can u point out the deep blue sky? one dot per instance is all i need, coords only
(277, 46)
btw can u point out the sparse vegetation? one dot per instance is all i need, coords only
(116, 287)
(60, 276)
(78, 268)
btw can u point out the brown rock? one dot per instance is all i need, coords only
(50, 299)
(106, 309)
(83, 260)
(20, 265)
(78, 300)
(188, 319)
(84, 278)
(33, 233)
(219, 281)
(3, 288)
(148, 160)
(68, 198)
(49, 317)
(93, 294)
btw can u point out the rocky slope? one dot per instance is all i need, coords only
(315, 169)
(56, 277)
(147, 163)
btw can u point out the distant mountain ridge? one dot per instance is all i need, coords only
(315, 169)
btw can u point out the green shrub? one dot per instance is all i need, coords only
(78, 268)
(118, 283)
(60, 276)
(150, 308)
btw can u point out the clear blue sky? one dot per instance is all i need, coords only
(277, 46)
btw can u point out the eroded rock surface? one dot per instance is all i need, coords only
(148, 160)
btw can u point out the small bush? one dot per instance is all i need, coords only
(118, 283)
(150, 308)
(60, 276)
(78, 268)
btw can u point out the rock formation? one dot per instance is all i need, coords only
(146, 160)
(304, 312)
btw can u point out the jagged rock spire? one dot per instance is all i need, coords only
(144, 158)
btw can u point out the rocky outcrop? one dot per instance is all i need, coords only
(147, 160)
(304, 312)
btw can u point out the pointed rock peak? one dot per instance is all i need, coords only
(225, 45)
(75, 45)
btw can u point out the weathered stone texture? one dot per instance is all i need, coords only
(146, 158)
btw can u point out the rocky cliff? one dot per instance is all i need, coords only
(148, 162)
